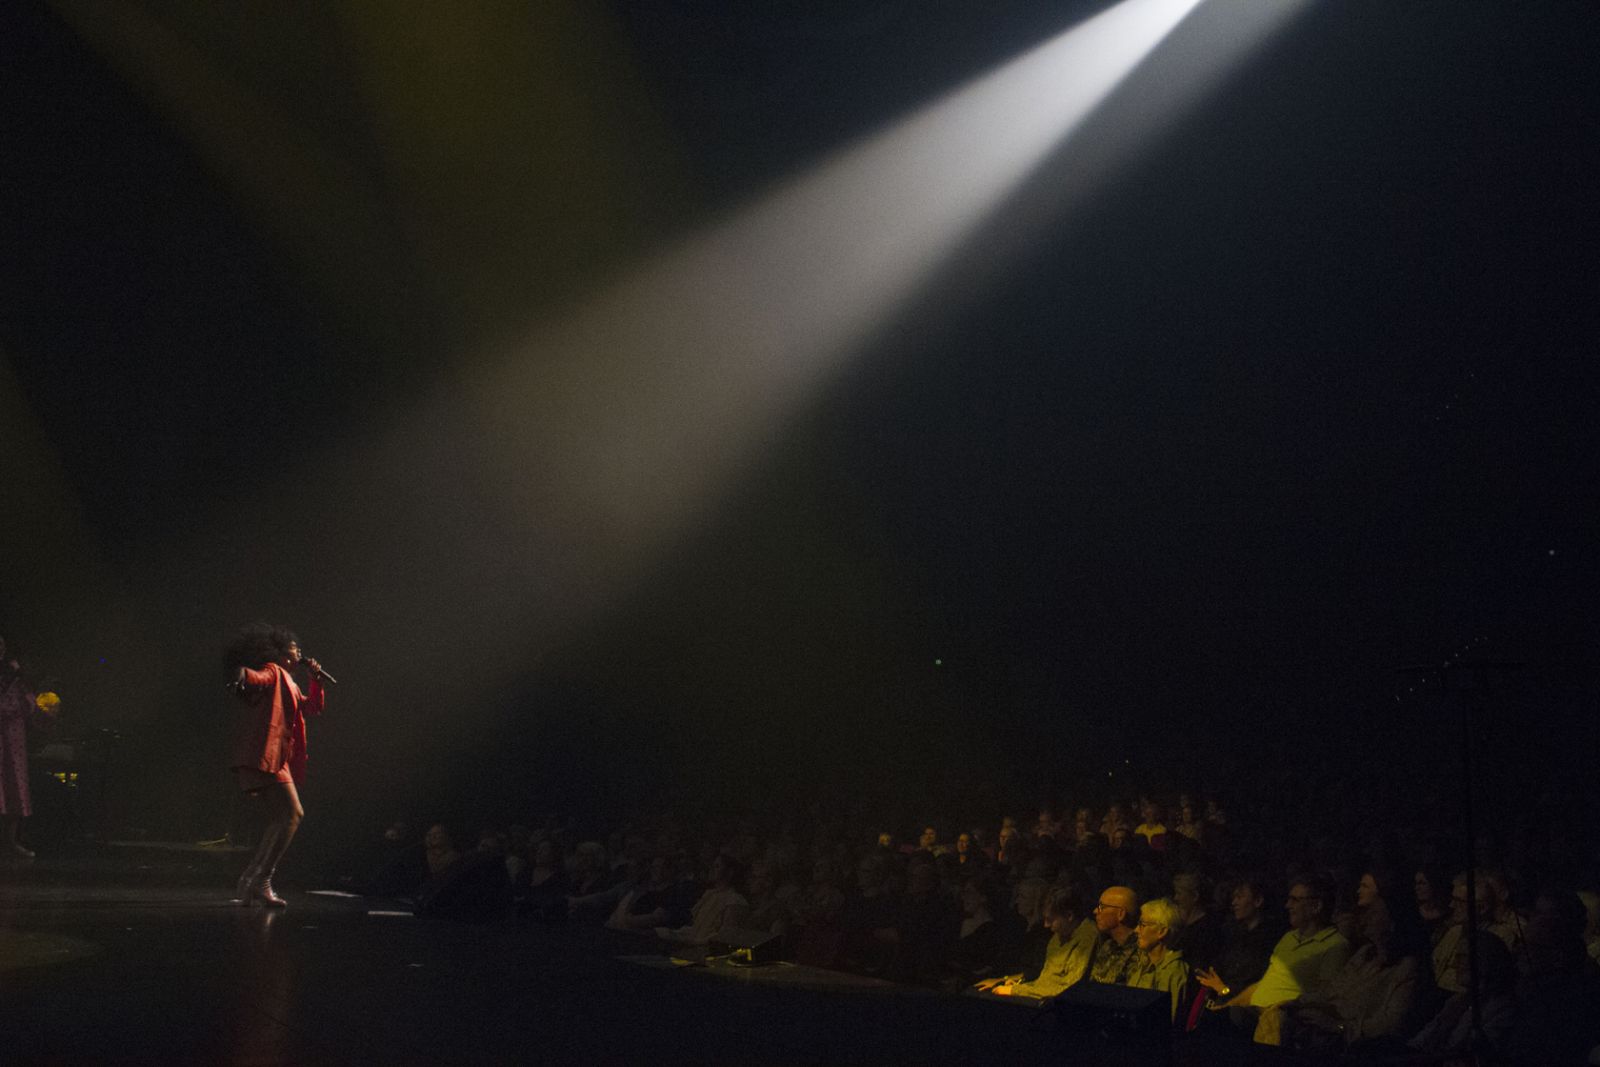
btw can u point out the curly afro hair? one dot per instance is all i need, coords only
(257, 645)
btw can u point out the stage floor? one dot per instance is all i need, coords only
(115, 955)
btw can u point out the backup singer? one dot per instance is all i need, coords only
(269, 742)
(17, 707)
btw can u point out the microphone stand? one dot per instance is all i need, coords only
(1462, 677)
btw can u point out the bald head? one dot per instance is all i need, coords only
(1118, 909)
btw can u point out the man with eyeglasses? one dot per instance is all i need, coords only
(1303, 962)
(1117, 952)
(1450, 954)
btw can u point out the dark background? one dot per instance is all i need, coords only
(1304, 393)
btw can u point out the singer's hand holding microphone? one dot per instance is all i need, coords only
(317, 672)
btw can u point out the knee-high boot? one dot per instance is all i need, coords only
(266, 850)
(262, 890)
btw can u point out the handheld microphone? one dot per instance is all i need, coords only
(319, 672)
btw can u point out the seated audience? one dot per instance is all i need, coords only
(1247, 941)
(1189, 822)
(1202, 934)
(1150, 825)
(924, 927)
(1067, 955)
(968, 854)
(1432, 887)
(1347, 913)
(1591, 923)
(1376, 995)
(1083, 827)
(1116, 818)
(1304, 960)
(1047, 824)
(954, 917)
(1159, 965)
(721, 906)
(980, 940)
(1558, 989)
(819, 916)
(1450, 1032)
(595, 886)
(1031, 934)
(1015, 853)
(402, 865)
(1216, 814)
(660, 899)
(439, 849)
(770, 899)
(1494, 914)
(545, 889)
(1117, 950)
(870, 914)
(475, 886)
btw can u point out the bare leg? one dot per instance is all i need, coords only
(287, 813)
(252, 870)
(252, 873)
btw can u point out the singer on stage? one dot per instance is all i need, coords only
(269, 741)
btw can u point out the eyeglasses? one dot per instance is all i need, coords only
(1103, 906)
(1300, 900)
(1147, 923)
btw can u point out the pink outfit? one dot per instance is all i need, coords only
(16, 708)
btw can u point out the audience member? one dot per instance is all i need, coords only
(1247, 943)
(1433, 901)
(1591, 923)
(1494, 914)
(720, 906)
(1159, 965)
(870, 914)
(771, 899)
(968, 854)
(1450, 1032)
(1558, 989)
(1083, 827)
(1150, 825)
(596, 885)
(1189, 822)
(924, 927)
(1304, 960)
(1067, 956)
(1375, 996)
(1117, 950)
(819, 916)
(440, 849)
(980, 940)
(1116, 818)
(1202, 935)
(661, 898)
(544, 894)
(1047, 825)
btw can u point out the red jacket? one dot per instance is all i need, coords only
(270, 730)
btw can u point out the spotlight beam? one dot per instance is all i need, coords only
(668, 384)
(517, 505)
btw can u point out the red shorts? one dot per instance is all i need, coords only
(253, 779)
